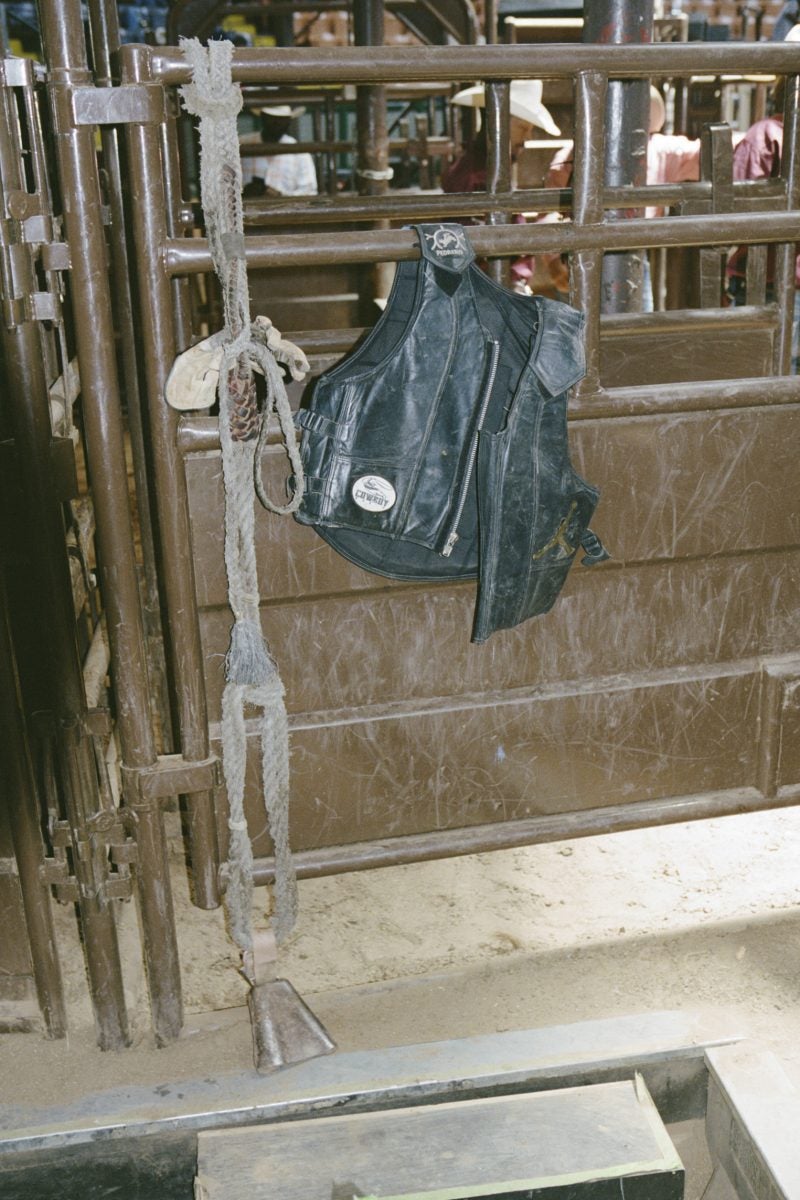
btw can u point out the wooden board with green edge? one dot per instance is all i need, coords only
(605, 1142)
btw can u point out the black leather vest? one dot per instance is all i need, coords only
(438, 449)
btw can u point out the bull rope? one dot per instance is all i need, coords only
(251, 674)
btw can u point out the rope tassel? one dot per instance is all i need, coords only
(251, 674)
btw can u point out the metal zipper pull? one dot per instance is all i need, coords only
(452, 538)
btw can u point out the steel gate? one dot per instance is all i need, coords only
(663, 685)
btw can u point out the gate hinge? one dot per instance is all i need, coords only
(170, 775)
(128, 104)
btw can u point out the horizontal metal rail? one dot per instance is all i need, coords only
(197, 435)
(186, 256)
(401, 64)
(751, 195)
(435, 144)
(506, 835)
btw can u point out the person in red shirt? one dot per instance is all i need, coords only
(468, 172)
(758, 156)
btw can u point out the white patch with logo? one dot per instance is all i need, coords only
(373, 493)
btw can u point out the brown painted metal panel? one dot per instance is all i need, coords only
(643, 683)
(655, 676)
(642, 359)
(409, 645)
(366, 774)
(675, 485)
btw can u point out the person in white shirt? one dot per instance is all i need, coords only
(278, 174)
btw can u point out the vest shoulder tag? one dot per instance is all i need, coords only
(446, 246)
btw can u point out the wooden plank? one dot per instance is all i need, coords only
(569, 1143)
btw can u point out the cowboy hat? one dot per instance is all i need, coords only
(525, 103)
(278, 110)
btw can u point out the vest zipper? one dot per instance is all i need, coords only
(452, 536)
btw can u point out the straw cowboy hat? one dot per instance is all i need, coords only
(526, 103)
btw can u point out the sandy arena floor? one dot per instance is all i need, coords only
(697, 916)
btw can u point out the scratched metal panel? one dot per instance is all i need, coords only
(690, 484)
(374, 773)
(641, 359)
(392, 646)
(642, 683)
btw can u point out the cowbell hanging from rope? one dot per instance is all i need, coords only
(284, 1029)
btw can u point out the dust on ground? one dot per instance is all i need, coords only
(701, 915)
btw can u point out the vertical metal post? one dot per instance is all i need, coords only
(786, 255)
(65, 53)
(587, 209)
(51, 594)
(330, 137)
(628, 124)
(372, 169)
(497, 115)
(105, 34)
(157, 335)
(490, 22)
(16, 771)
(176, 225)
(716, 165)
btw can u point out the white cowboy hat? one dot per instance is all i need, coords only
(526, 103)
(278, 110)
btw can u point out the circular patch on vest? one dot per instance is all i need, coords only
(373, 493)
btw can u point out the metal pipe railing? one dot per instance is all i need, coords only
(51, 607)
(402, 64)
(587, 264)
(159, 347)
(199, 435)
(105, 41)
(65, 51)
(191, 255)
(505, 835)
(751, 195)
(786, 255)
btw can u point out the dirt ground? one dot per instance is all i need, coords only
(698, 916)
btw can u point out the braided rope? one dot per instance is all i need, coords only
(251, 674)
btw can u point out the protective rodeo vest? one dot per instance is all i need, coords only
(438, 449)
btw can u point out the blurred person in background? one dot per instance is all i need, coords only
(758, 156)
(468, 172)
(278, 174)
